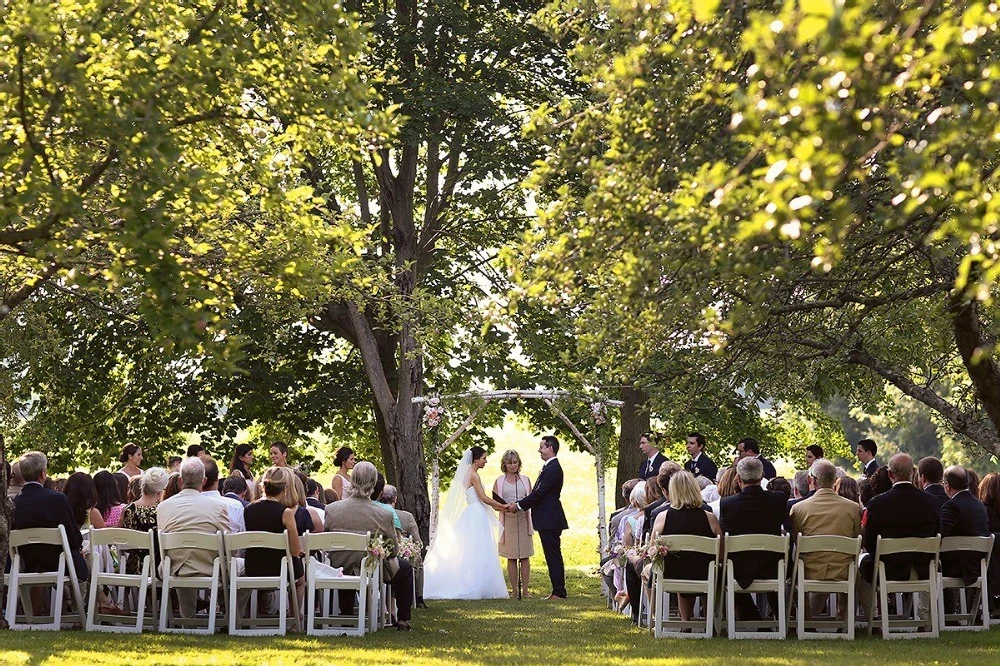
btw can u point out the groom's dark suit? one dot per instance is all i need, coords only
(549, 520)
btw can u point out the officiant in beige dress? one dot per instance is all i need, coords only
(515, 544)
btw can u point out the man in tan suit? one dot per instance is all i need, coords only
(358, 513)
(191, 511)
(409, 529)
(825, 513)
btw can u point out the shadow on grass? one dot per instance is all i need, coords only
(579, 630)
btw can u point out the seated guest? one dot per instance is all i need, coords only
(728, 486)
(272, 513)
(973, 481)
(825, 513)
(190, 510)
(234, 507)
(82, 495)
(616, 516)
(141, 514)
(377, 492)
(358, 513)
(902, 511)
(35, 506)
(962, 515)
(173, 485)
(134, 489)
(295, 498)
(314, 495)
(752, 511)
(235, 488)
(930, 473)
(329, 497)
(848, 487)
(15, 482)
(989, 494)
(631, 536)
(174, 464)
(686, 515)
(411, 530)
(780, 484)
(110, 502)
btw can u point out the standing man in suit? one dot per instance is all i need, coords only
(748, 447)
(547, 513)
(753, 511)
(902, 511)
(930, 478)
(192, 511)
(700, 464)
(36, 506)
(651, 466)
(866, 451)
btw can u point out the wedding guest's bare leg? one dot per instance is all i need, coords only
(525, 574)
(686, 606)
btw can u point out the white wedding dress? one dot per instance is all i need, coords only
(463, 562)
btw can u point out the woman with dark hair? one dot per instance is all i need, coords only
(781, 485)
(173, 485)
(242, 460)
(344, 460)
(131, 458)
(109, 499)
(82, 495)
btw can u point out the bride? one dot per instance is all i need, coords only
(463, 562)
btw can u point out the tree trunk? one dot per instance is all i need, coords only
(635, 421)
(977, 353)
(6, 516)
(602, 512)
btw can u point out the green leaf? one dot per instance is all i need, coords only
(704, 10)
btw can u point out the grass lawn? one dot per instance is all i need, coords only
(579, 630)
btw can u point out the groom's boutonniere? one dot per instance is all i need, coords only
(697, 471)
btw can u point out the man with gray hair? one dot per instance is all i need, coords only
(409, 529)
(192, 511)
(360, 514)
(825, 513)
(36, 506)
(753, 511)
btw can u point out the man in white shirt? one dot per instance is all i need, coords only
(234, 508)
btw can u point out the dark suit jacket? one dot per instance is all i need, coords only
(936, 490)
(315, 503)
(902, 511)
(753, 511)
(963, 515)
(645, 472)
(706, 467)
(36, 506)
(870, 468)
(241, 500)
(650, 512)
(546, 509)
(769, 472)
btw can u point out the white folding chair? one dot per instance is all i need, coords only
(21, 582)
(882, 587)
(144, 581)
(170, 541)
(978, 605)
(760, 544)
(663, 626)
(364, 584)
(281, 584)
(802, 586)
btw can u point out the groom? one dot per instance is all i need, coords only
(547, 513)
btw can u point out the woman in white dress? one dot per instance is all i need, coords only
(462, 562)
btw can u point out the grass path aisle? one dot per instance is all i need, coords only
(534, 631)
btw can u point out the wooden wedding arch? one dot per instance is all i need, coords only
(434, 410)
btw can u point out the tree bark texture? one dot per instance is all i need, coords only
(635, 421)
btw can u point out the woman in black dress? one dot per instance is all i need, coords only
(270, 514)
(686, 515)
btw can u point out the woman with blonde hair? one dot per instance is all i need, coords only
(273, 513)
(295, 498)
(728, 486)
(515, 543)
(686, 516)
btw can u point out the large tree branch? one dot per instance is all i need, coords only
(977, 350)
(868, 301)
(963, 423)
(11, 302)
(371, 360)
